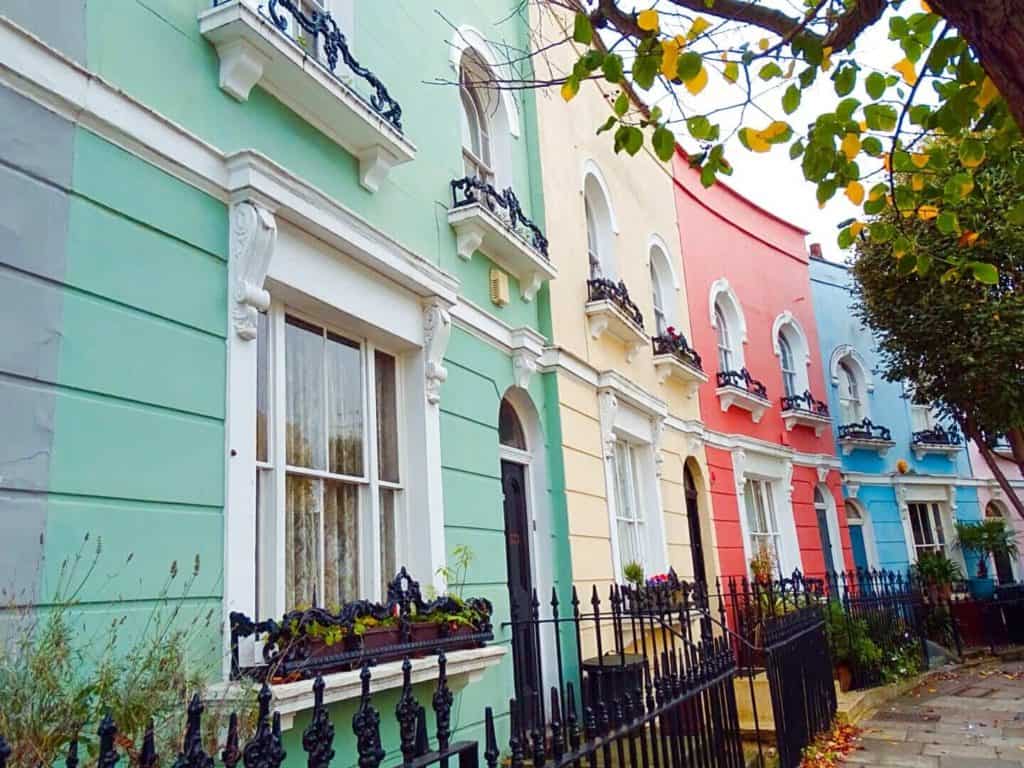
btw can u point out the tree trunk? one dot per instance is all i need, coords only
(995, 29)
(987, 454)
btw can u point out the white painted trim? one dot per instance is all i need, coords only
(466, 37)
(867, 528)
(657, 241)
(832, 521)
(605, 316)
(849, 351)
(719, 288)
(780, 322)
(628, 391)
(591, 168)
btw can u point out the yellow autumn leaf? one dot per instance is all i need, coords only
(919, 159)
(898, 253)
(790, 69)
(699, 27)
(967, 239)
(863, 125)
(967, 187)
(855, 192)
(927, 212)
(696, 84)
(732, 71)
(754, 140)
(776, 128)
(887, 163)
(876, 193)
(669, 58)
(826, 58)
(925, 7)
(917, 182)
(851, 145)
(856, 228)
(987, 93)
(906, 68)
(569, 89)
(648, 20)
(763, 43)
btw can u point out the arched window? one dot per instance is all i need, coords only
(789, 385)
(821, 510)
(476, 130)
(510, 429)
(851, 404)
(1003, 561)
(726, 354)
(661, 290)
(598, 215)
(853, 514)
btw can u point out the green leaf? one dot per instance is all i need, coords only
(634, 140)
(845, 239)
(791, 99)
(846, 108)
(770, 70)
(612, 68)
(1016, 214)
(947, 223)
(796, 149)
(880, 117)
(699, 127)
(845, 79)
(882, 232)
(664, 142)
(875, 85)
(872, 146)
(621, 105)
(924, 263)
(608, 124)
(582, 30)
(984, 273)
(688, 66)
(906, 265)
(972, 152)
(645, 69)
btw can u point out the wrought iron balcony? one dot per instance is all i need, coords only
(805, 410)
(938, 440)
(603, 289)
(743, 380)
(326, 36)
(675, 344)
(470, 190)
(610, 309)
(865, 434)
(740, 389)
(675, 358)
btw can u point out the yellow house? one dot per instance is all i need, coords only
(635, 472)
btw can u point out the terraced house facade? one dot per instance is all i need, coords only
(279, 313)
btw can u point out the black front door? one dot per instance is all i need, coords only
(826, 539)
(693, 517)
(525, 655)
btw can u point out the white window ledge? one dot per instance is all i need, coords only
(851, 444)
(798, 418)
(253, 52)
(730, 396)
(479, 229)
(464, 668)
(938, 449)
(605, 317)
(669, 366)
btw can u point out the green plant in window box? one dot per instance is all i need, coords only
(633, 573)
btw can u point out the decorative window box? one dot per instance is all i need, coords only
(865, 435)
(799, 418)
(605, 317)
(253, 51)
(669, 366)
(731, 395)
(939, 449)
(477, 228)
(464, 667)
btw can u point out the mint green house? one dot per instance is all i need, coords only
(247, 315)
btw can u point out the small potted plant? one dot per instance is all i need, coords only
(984, 539)
(762, 565)
(937, 573)
(851, 646)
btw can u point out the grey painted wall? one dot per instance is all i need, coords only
(58, 23)
(36, 156)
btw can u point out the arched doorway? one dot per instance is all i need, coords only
(693, 519)
(516, 457)
(824, 531)
(1004, 566)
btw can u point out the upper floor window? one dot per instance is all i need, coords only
(329, 480)
(789, 385)
(851, 404)
(921, 416)
(661, 290)
(927, 526)
(725, 349)
(629, 515)
(476, 130)
(597, 212)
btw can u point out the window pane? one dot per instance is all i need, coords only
(388, 536)
(634, 484)
(627, 548)
(771, 524)
(304, 385)
(940, 537)
(510, 429)
(264, 530)
(341, 543)
(387, 417)
(302, 553)
(262, 385)
(749, 494)
(915, 524)
(345, 411)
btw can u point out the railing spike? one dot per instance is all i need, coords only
(108, 756)
(442, 703)
(491, 751)
(71, 761)
(366, 726)
(231, 755)
(192, 754)
(318, 738)
(148, 757)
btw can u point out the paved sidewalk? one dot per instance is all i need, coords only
(971, 718)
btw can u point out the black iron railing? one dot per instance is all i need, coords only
(937, 435)
(307, 642)
(864, 430)
(470, 190)
(806, 403)
(674, 343)
(327, 37)
(743, 380)
(603, 289)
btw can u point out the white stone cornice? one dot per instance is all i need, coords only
(628, 391)
(526, 346)
(253, 236)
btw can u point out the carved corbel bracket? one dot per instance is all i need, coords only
(437, 330)
(608, 406)
(253, 237)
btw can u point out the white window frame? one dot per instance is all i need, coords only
(663, 286)
(723, 340)
(271, 521)
(726, 317)
(629, 504)
(599, 225)
(851, 392)
(786, 329)
(862, 521)
(763, 494)
(790, 387)
(935, 517)
(828, 506)
(476, 127)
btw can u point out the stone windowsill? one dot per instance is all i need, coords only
(668, 366)
(729, 396)
(939, 449)
(604, 316)
(851, 444)
(797, 418)
(464, 667)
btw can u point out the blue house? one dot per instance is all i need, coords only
(907, 476)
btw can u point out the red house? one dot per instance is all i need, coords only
(774, 475)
